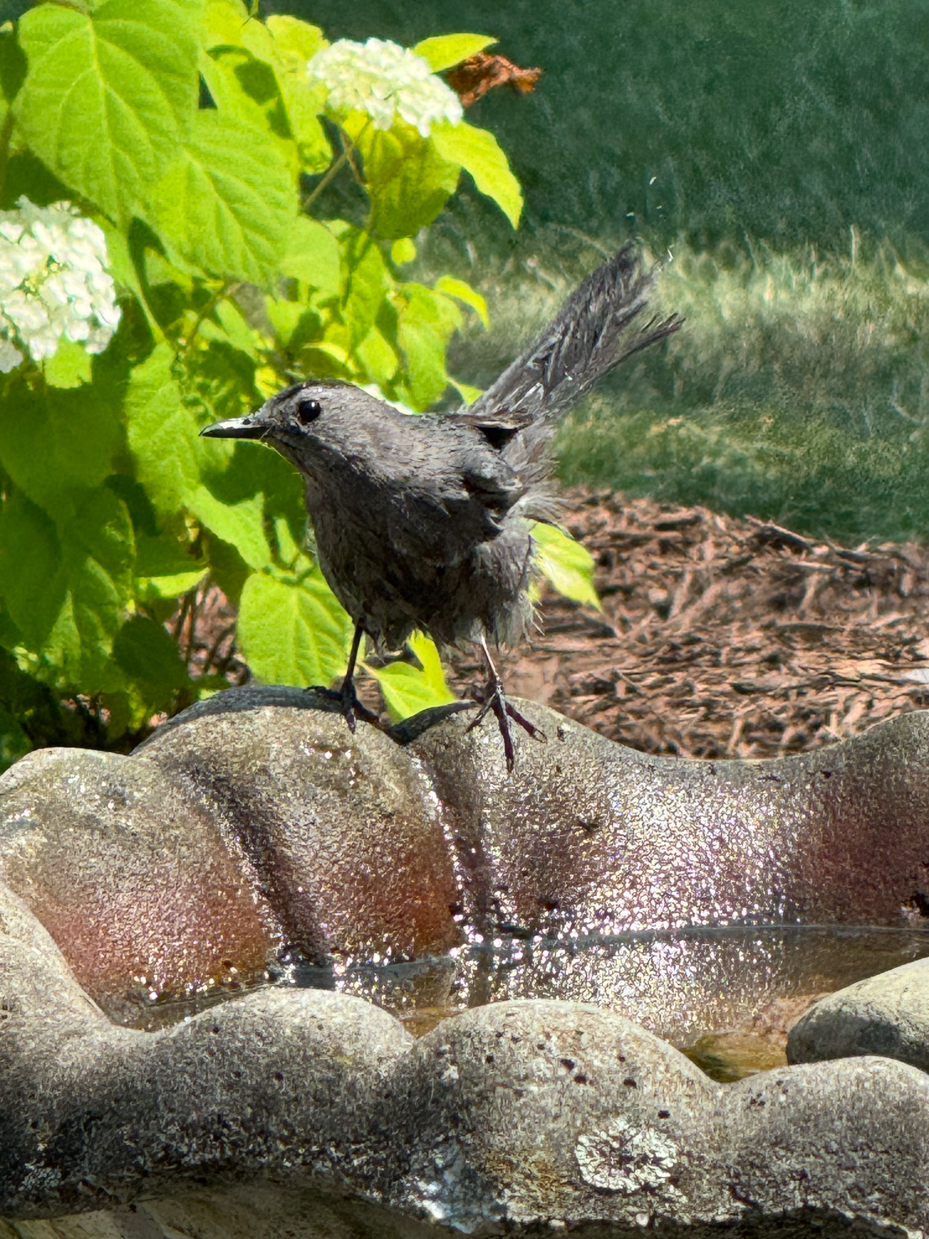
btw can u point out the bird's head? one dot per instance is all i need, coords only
(308, 422)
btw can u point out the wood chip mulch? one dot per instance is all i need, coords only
(724, 637)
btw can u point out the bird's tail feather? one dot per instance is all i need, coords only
(591, 333)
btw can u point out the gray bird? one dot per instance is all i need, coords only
(423, 522)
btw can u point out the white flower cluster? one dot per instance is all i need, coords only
(384, 80)
(53, 283)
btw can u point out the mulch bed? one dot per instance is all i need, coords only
(724, 637)
(719, 637)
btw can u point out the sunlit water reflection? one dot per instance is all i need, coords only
(726, 996)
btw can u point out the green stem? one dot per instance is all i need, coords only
(334, 168)
(205, 313)
(348, 150)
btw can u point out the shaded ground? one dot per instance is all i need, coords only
(723, 637)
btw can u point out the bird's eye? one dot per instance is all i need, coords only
(307, 410)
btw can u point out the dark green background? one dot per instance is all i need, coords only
(789, 120)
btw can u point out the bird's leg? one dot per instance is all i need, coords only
(494, 699)
(346, 695)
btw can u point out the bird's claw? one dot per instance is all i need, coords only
(351, 708)
(492, 698)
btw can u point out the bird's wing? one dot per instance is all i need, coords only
(587, 338)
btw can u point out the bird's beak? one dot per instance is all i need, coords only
(250, 427)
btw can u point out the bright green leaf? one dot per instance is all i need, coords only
(70, 367)
(407, 179)
(365, 279)
(162, 434)
(165, 568)
(402, 251)
(464, 292)
(424, 327)
(123, 270)
(54, 441)
(109, 96)
(406, 688)
(224, 21)
(379, 360)
(478, 152)
(292, 632)
(568, 565)
(294, 43)
(236, 329)
(244, 89)
(446, 50)
(228, 203)
(241, 524)
(312, 256)
(468, 393)
(283, 317)
(287, 548)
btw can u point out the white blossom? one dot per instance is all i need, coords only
(10, 356)
(386, 81)
(53, 283)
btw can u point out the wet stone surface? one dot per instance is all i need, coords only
(885, 1014)
(253, 833)
(254, 837)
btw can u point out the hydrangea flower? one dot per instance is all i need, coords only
(386, 81)
(53, 283)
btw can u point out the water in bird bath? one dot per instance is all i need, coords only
(726, 996)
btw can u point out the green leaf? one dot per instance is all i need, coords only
(402, 251)
(424, 327)
(568, 565)
(365, 280)
(445, 50)
(408, 689)
(224, 21)
(109, 95)
(26, 174)
(54, 441)
(149, 657)
(241, 524)
(30, 564)
(163, 434)
(246, 91)
(292, 632)
(228, 203)
(407, 179)
(379, 360)
(165, 568)
(70, 367)
(468, 393)
(283, 316)
(68, 590)
(477, 151)
(294, 43)
(12, 66)
(463, 292)
(312, 256)
(234, 326)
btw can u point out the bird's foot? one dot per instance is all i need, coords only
(493, 699)
(351, 708)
